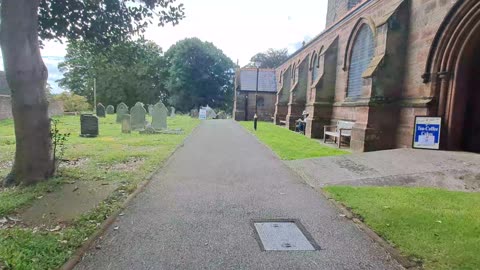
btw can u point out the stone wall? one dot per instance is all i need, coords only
(393, 91)
(264, 113)
(54, 108)
(5, 107)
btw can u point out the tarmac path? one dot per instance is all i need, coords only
(197, 213)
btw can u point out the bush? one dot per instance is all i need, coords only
(73, 102)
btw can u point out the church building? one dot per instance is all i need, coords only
(381, 63)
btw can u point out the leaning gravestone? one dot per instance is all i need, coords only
(88, 125)
(122, 109)
(126, 126)
(100, 110)
(159, 116)
(110, 109)
(172, 111)
(138, 116)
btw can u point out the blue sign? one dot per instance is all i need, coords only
(427, 132)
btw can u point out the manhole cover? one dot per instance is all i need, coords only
(283, 235)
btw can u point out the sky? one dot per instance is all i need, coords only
(239, 28)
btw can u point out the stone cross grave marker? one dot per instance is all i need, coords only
(100, 110)
(110, 109)
(88, 125)
(126, 127)
(122, 109)
(138, 114)
(159, 116)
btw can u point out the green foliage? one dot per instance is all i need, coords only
(105, 21)
(439, 227)
(289, 145)
(73, 102)
(199, 74)
(58, 142)
(127, 71)
(270, 59)
(24, 249)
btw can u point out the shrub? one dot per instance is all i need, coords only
(73, 102)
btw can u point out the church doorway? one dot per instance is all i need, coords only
(455, 71)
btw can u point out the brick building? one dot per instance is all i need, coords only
(380, 63)
(245, 94)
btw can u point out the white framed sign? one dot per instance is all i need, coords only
(426, 134)
(202, 114)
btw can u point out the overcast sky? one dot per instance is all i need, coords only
(239, 28)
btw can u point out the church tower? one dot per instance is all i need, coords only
(338, 8)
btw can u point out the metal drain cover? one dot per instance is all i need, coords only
(283, 235)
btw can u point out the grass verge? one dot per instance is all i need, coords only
(290, 145)
(439, 228)
(114, 158)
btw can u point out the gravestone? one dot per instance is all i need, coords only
(122, 109)
(126, 127)
(88, 125)
(100, 110)
(138, 116)
(150, 109)
(159, 116)
(110, 109)
(172, 111)
(194, 113)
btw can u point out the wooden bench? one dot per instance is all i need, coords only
(341, 129)
(283, 122)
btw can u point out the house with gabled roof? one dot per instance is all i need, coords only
(248, 100)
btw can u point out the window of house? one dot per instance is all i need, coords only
(260, 102)
(361, 55)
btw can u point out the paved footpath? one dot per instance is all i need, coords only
(196, 213)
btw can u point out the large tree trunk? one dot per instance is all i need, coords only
(26, 75)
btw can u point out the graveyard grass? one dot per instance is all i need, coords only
(439, 228)
(289, 145)
(124, 160)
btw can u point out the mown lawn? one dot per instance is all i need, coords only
(289, 145)
(440, 228)
(125, 159)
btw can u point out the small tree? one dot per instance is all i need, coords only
(73, 102)
(23, 24)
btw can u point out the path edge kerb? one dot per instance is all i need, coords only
(80, 252)
(393, 252)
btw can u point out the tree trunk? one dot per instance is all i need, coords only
(27, 76)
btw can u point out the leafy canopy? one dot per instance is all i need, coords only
(270, 59)
(103, 21)
(128, 71)
(199, 74)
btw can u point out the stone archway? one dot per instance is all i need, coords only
(455, 75)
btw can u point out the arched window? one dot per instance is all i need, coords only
(260, 102)
(361, 55)
(315, 67)
(294, 74)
